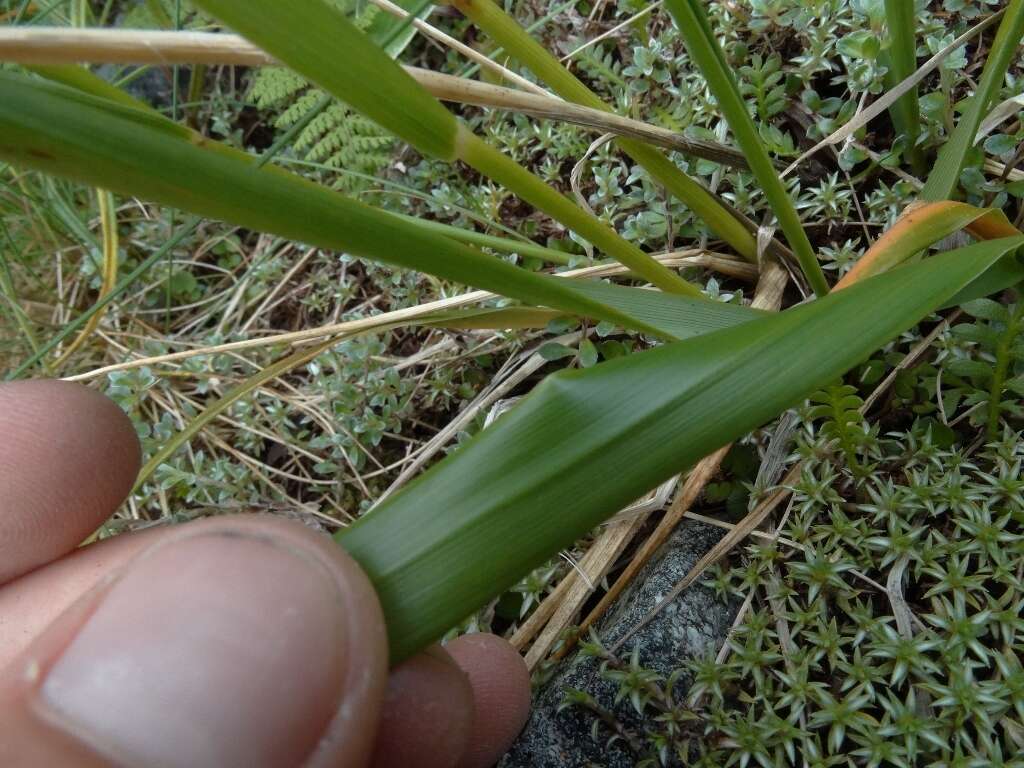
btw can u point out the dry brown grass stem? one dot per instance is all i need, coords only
(457, 45)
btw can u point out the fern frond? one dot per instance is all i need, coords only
(839, 407)
(274, 86)
(337, 138)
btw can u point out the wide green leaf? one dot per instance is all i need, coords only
(66, 132)
(586, 443)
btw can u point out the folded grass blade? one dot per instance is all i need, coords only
(584, 444)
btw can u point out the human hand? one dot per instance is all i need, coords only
(233, 641)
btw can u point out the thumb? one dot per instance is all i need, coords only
(232, 642)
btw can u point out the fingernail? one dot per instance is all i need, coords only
(218, 649)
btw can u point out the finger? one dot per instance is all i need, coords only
(501, 695)
(408, 734)
(68, 457)
(243, 641)
(28, 605)
(34, 601)
(427, 714)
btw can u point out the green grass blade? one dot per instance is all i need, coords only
(523, 248)
(347, 64)
(83, 80)
(510, 174)
(586, 443)
(518, 42)
(394, 34)
(704, 50)
(680, 316)
(55, 129)
(677, 316)
(906, 115)
(945, 176)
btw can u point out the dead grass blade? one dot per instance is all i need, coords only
(108, 228)
(921, 225)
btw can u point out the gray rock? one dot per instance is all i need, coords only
(694, 624)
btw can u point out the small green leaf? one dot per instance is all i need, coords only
(980, 334)
(1000, 144)
(862, 44)
(973, 369)
(555, 351)
(588, 353)
(986, 309)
